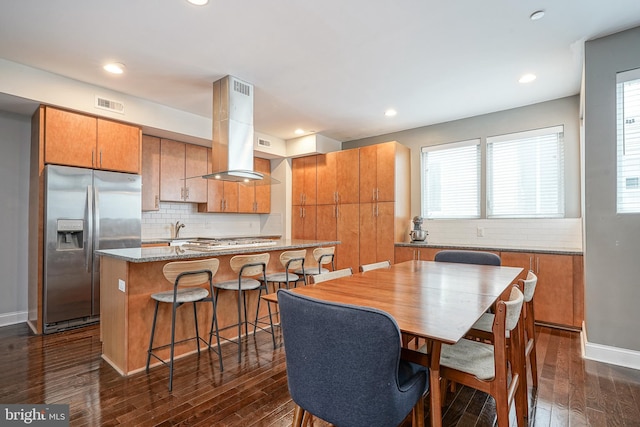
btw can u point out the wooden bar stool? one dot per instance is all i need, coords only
(290, 260)
(322, 256)
(251, 270)
(186, 276)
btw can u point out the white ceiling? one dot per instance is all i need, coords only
(330, 66)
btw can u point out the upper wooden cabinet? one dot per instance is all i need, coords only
(256, 197)
(303, 170)
(181, 168)
(74, 139)
(222, 196)
(338, 177)
(378, 171)
(150, 173)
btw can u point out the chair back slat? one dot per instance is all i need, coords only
(172, 270)
(324, 255)
(529, 286)
(294, 259)
(323, 277)
(468, 257)
(375, 266)
(514, 308)
(259, 261)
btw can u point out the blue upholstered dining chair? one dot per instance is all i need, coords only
(468, 257)
(344, 366)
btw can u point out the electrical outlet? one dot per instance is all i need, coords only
(121, 285)
(480, 231)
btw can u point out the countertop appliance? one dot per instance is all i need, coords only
(418, 234)
(85, 210)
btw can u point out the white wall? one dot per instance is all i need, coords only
(15, 134)
(561, 234)
(612, 241)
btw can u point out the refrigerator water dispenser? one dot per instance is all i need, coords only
(70, 234)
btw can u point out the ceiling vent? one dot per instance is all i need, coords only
(109, 105)
(264, 143)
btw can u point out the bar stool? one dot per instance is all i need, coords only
(186, 277)
(248, 268)
(322, 256)
(290, 260)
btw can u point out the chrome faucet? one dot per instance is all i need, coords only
(179, 225)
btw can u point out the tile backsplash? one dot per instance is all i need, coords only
(560, 234)
(160, 224)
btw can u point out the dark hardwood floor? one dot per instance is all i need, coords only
(67, 368)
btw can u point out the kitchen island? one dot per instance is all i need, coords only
(129, 276)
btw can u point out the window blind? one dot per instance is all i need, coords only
(525, 174)
(451, 180)
(628, 141)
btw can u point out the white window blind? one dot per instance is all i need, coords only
(451, 180)
(628, 141)
(525, 174)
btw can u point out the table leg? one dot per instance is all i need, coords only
(434, 384)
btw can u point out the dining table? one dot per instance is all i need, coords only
(437, 302)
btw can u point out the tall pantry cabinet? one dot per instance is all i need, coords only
(384, 200)
(361, 198)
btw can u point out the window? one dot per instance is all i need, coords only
(628, 141)
(525, 174)
(451, 180)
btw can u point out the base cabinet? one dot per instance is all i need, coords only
(404, 253)
(558, 299)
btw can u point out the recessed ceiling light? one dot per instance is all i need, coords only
(527, 78)
(390, 112)
(115, 68)
(299, 132)
(198, 2)
(538, 14)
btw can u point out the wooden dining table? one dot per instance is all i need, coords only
(435, 301)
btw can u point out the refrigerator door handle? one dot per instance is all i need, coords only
(89, 237)
(96, 218)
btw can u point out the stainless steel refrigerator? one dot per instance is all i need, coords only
(85, 210)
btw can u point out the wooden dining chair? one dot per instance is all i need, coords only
(485, 366)
(351, 372)
(482, 328)
(323, 277)
(375, 266)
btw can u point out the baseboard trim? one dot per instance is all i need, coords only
(7, 319)
(607, 354)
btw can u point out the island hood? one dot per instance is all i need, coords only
(232, 139)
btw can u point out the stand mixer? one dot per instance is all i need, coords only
(418, 234)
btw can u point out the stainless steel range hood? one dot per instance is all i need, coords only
(232, 141)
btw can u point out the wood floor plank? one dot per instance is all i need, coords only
(67, 368)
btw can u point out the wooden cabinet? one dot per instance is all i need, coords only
(338, 177)
(303, 222)
(304, 191)
(559, 296)
(406, 253)
(366, 229)
(256, 197)
(181, 168)
(222, 196)
(376, 229)
(378, 172)
(118, 146)
(80, 140)
(150, 173)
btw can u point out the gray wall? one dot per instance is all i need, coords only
(612, 242)
(564, 111)
(15, 134)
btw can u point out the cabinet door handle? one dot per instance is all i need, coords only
(377, 193)
(537, 265)
(157, 201)
(186, 193)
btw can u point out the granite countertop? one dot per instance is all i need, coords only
(171, 253)
(558, 251)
